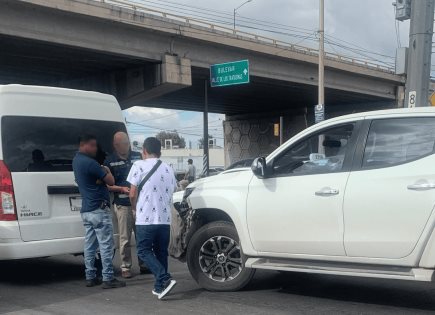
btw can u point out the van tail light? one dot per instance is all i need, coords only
(7, 198)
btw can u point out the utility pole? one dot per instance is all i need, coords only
(321, 100)
(319, 111)
(420, 51)
(205, 157)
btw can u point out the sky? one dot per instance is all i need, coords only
(361, 27)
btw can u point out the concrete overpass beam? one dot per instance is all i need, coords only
(141, 85)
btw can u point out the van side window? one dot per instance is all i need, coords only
(42, 144)
(398, 140)
(322, 152)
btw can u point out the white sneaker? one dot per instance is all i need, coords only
(155, 292)
(170, 285)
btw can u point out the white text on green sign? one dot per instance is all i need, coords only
(230, 73)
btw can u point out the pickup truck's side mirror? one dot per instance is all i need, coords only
(259, 167)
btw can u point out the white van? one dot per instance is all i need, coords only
(39, 129)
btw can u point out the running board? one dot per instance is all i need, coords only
(344, 269)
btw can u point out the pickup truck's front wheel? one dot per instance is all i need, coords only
(215, 258)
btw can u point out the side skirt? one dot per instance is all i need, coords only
(345, 269)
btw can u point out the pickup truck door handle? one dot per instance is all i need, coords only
(326, 191)
(421, 186)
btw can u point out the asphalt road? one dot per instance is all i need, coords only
(56, 286)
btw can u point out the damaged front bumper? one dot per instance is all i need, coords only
(182, 223)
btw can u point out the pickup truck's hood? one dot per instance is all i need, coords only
(235, 177)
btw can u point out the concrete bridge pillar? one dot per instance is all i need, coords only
(253, 137)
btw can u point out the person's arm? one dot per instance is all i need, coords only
(101, 172)
(175, 184)
(134, 180)
(133, 197)
(108, 178)
(114, 188)
(119, 189)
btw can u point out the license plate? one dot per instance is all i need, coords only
(75, 203)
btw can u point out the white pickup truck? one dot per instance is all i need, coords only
(353, 195)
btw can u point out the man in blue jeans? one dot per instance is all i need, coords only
(92, 179)
(152, 208)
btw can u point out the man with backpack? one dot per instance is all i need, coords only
(152, 186)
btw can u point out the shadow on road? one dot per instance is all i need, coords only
(396, 293)
(40, 271)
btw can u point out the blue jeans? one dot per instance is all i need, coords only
(99, 233)
(152, 249)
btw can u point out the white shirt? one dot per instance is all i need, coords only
(191, 170)
(154, 202)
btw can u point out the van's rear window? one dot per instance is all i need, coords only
(42, 144)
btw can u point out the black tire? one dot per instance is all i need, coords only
(215, 248)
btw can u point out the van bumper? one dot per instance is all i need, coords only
(17, 249)
(13, 247)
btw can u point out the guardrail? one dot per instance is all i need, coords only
(246, 35)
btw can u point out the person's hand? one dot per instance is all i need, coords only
(106, 169)
(125, 190)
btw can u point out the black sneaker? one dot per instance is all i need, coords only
(169, 285)
(93, 282)
(113, 284)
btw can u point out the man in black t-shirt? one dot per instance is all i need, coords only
(119, 163)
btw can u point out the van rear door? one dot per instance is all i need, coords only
(39, 151)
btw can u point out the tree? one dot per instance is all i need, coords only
(201, 141)
(177, 140)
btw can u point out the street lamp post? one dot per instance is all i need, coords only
(235, 10)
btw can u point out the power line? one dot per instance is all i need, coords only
(163, 4)
(156, 118)
(225, 18)
(360, 53)
(168, 130)
(196, 125)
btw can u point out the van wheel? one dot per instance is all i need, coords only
(215, 258)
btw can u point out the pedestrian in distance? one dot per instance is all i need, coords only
(92, 179)
(119, 163)
(190, 172)
(152, 186)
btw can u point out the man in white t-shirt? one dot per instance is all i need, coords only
(152, 208)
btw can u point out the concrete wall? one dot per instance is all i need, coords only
(178, 158)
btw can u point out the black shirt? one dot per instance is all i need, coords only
(120, 168)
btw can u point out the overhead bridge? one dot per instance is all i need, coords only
(149, 58)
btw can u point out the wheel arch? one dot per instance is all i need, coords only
(205, 216)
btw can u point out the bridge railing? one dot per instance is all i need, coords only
(246, 35)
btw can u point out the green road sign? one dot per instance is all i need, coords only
(230, 73)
